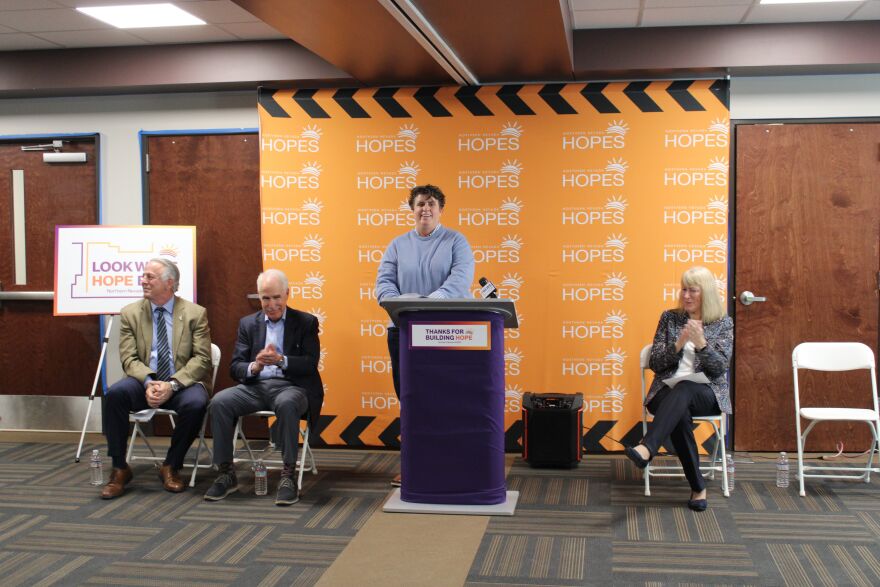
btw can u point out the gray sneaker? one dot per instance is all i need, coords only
(288, 494)
(224, 484)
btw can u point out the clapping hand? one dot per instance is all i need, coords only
(269, 356)
(694, 329)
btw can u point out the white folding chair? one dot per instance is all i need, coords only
(144, 416)
(718, 423)
(305, 455)
(834, 356)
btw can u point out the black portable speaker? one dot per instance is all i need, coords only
(552, 429)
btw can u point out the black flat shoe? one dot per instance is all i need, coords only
(698, 505)
(633, 455)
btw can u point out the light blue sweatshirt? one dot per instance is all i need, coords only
(438, 266)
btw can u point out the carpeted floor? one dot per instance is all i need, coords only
(587, 526)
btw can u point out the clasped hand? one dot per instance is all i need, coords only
(266, 358)
(158, 392)
(693, 332)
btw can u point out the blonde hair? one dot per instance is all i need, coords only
(713, 307)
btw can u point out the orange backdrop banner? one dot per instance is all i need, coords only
(583, 203)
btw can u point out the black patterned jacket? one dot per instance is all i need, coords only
(713, 360)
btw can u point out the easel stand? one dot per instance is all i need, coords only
(106, 339)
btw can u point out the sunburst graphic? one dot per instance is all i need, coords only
(616, 203)
(616, 280)
(615, 392)
(321, 316)
(314, 278)
(321, 358)
(513, 392)
(615, 355)
(168, 251)
(717, 241)
(408, 131)
(312, 131)
(617, 127)
(719, 164)
(512, 280)
(718, 203)
(511, 166)
(313, 205)
(404, 205)
(615, 317)
(720, 125)
(512, 204)
(409, 168)
(511, 129)
(511, 242)
(514, 355)
(617, 164)
(313, 241)
(616, 241)
(721, 282)
(312, 168)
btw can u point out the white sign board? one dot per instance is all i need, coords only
(466, 336)
(98, 268)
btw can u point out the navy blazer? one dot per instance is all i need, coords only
(301, 348)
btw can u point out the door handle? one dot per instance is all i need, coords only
(747, 298)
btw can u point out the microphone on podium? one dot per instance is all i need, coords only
(488, 289)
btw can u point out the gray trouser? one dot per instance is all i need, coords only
(288, 401)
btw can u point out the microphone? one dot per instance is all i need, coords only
(488, 289)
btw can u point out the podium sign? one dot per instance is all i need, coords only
(467, 336)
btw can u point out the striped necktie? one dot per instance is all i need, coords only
(163, 352)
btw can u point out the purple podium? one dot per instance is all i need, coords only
(452, 403)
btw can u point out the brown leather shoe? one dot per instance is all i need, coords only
(170, 480)
(119, 478)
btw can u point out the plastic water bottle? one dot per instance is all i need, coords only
(96, 468)
(782, 470)
(731, 470)
(261, 483)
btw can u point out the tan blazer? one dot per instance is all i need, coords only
(191, 342)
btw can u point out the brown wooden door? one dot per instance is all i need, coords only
(41, 354)
(807, 235)
(212, 182)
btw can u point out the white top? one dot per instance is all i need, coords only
(686, 364)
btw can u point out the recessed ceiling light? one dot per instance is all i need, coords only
(804, 1)
(139, 16)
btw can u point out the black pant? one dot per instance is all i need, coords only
(128, 395)
(673, 411)
(394, 353)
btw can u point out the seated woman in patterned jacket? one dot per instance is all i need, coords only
(695, 337)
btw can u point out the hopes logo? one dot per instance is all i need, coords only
(715, 212)
(374, 328)
(310, 288)
(402, 142)
(370, 253)
(609, 365)
(308, 178)
(507, 139)
(508, 251)
(611, 328)
(610, 402)
(512, 359)
(610, 290)
(611, 137)
(308, 141)
(309, 214)
(401, 215)
(513, 399)
(717, 135)
(506, 214)
(612, 251)
(404, 178)
(307, 252)
(714, 251)
(321, 316)
(507, 177)
(613, 175)
(714, 175)
(611, 213)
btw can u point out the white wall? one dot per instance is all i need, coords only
(817, 96)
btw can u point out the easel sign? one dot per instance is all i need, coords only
(98, 268)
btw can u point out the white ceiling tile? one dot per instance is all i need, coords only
(22, 41)
(219, 12)
(184, 34)
(869, 11)
(597, 19)
(61, 19)
(800, 12)
(693, 16)
(603, 4)
(694, 3)
(105, 38)
(251, 30)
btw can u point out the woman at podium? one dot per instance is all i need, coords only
(429, 261)
(693, 343)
